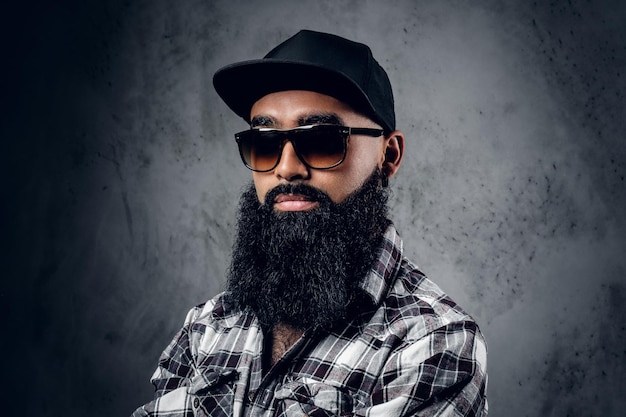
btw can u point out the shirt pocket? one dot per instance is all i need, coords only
(212, 393)
(312, 398)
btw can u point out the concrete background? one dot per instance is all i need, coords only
(120, 180)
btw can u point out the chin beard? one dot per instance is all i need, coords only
(304, 268)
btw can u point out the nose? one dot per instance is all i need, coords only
(290, 167)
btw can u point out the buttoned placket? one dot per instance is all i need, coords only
(260, 399)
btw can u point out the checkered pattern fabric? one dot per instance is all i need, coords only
(409, 351)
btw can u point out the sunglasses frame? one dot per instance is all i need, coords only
(345, 131)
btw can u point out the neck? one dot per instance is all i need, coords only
(283, 337)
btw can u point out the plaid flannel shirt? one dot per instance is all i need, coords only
(411, 351)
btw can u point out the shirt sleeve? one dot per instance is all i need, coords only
(442, 374)
(175, 370)
(175, 366)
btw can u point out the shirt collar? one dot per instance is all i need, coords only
(380, 278)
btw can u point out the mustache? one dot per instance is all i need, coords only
(312, 193)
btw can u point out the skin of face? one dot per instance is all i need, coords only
(293, 108)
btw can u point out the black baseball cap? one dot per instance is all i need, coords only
(312, 61)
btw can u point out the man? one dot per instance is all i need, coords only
(322, 315)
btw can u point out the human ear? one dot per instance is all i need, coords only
(394, 151)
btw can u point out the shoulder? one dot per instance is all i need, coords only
(217, 311)
(415, 306)
(431, 330)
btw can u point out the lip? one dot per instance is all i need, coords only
(294, 202)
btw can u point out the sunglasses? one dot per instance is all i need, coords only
(317, 146)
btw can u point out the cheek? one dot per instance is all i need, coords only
(339, 185)
(342, 190)
(360, 166)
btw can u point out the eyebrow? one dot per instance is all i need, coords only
(307, 119)
(320, 118)
(262, 121)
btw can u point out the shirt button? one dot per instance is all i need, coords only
(196, 402)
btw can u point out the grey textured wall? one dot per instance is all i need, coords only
(120, 180)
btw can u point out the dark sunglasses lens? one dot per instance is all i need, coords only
(320, 147)
(260, 150)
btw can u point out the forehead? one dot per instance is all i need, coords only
(300, 107)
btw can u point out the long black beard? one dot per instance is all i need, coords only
(304, 268)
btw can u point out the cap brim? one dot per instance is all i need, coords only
(242, 84)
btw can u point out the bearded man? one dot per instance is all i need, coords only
(322, 315)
